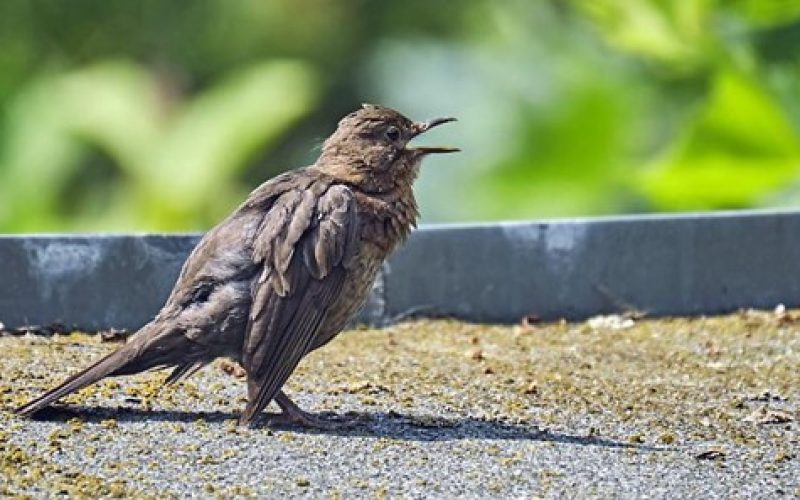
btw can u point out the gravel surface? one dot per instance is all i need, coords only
(611, 407)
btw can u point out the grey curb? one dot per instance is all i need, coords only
(658, 265)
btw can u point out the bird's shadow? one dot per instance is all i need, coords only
(391, 425)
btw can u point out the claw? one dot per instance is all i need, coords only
(293, 416)
(305, 419)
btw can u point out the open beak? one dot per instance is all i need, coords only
(421, 127)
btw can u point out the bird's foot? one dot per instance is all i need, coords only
(293, 415)
(300, 418)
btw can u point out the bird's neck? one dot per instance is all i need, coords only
(388, 217)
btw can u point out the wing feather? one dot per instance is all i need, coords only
(305, 247)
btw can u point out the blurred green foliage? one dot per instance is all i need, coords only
(148, 115)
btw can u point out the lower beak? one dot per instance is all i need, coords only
(434, 149)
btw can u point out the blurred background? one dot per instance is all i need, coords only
(151, 115)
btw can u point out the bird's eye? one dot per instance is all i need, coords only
(392, 133)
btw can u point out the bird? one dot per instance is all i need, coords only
(285, 272)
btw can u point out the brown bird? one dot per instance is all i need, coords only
(284, 273)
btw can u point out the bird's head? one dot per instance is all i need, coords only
(370, 149)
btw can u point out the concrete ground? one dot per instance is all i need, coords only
(608, 408)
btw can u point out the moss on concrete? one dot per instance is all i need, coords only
(712, 387)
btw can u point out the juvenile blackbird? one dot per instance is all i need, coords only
(284, 273)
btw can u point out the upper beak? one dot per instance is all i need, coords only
(421, 127)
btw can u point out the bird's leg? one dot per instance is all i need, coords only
(292, 414)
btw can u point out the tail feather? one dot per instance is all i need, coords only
(183, 371)
(141, 353)
(103, 368)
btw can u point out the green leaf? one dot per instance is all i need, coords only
(675, 34)
(740, 147)
(768, 13)
(175, 162)
(210, 141)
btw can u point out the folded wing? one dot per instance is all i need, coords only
(304, 247)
